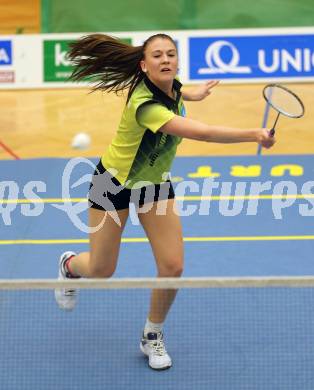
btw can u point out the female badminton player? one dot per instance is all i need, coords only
(135, 165)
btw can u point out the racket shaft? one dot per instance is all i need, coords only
(272, 131)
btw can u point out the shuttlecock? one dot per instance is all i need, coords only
(81, 141)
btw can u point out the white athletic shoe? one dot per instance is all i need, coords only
(153, 346)
(65, 297)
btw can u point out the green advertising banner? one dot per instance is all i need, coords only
(56, 66)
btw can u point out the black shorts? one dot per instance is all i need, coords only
(106, 193)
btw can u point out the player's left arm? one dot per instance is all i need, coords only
(199, 92)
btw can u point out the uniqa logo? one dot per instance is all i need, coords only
(4, 56)
(5, 52)
(217, 65)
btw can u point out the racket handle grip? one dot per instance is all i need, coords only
(272, 132)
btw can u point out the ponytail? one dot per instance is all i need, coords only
(114, 65)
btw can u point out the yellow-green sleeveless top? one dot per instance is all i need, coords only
(139, 152)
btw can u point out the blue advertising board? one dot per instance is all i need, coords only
(251, 57)
(5, 52)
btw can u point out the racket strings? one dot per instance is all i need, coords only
(284, 101)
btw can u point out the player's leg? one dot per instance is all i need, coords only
(165, 235)
(100, 261)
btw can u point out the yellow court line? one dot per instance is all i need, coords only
(144, 239)
(247, 197)
(43, 200)
(191, 197)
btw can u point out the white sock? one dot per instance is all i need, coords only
(152, 327)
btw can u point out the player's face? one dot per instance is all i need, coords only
(160, 61)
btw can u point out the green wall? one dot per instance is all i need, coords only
(139, 15)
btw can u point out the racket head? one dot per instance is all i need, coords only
(283, 100)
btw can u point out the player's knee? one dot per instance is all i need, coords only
(173, 268)
(101, 270)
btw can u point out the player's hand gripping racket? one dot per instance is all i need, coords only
(284, 101)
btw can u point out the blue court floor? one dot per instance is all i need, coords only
(243, 216)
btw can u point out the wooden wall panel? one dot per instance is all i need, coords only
(18, 16)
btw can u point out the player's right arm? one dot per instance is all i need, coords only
(192, 129)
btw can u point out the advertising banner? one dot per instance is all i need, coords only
(251, 57)
(5, 53)
(56, 66)
(233, 56)
(7, 75)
